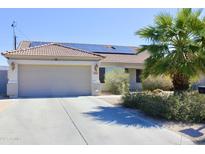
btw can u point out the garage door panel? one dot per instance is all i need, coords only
(54, 81)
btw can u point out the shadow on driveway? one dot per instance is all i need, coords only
(119, 115)
(193, 132)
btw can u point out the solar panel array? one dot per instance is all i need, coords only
(95, 48)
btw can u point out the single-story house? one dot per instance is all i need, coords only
(54, 69)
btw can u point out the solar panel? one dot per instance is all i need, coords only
(34, 44)
(95, 48)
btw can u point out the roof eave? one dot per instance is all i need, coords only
(29, 57)
(5, 55)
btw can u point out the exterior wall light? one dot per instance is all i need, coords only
(96, 69)
(13, 66)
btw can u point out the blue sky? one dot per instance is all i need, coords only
(98, 26)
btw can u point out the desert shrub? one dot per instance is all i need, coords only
(186, 107)
(117, 82)
(131, 100)
(191, 107)
(158, 82)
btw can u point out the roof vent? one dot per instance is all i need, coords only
(109, 46)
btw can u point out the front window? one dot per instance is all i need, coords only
(138, 75)
(102, 74)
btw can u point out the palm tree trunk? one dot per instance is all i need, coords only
(180, 82)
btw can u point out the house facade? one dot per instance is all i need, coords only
(50, 69)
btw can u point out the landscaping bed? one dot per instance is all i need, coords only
(182, 107)
(183, 113)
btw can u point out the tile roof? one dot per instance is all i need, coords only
(78, 50)
(93, 48)
(51, 49)
(122, 58)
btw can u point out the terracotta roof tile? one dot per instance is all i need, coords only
(51, 49)
(95, 48)
(123, 58)
(58, 50)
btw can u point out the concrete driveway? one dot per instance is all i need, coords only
(80, 120)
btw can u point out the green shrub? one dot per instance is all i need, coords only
(129, 100)
(158, 82)
(186, 107)
(117, 82)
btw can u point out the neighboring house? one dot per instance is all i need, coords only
(47, 69)
(3, 79)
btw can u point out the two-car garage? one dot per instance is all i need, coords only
(52, 70)
(53, 80)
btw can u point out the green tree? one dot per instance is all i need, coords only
(176, 46)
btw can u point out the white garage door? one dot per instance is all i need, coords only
(54, 81)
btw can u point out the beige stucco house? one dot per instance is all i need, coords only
(47, 69)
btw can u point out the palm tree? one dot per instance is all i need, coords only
(176, 46)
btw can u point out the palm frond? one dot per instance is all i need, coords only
(176, 44)
(163, 20)
(149, 33)
(154, 49)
